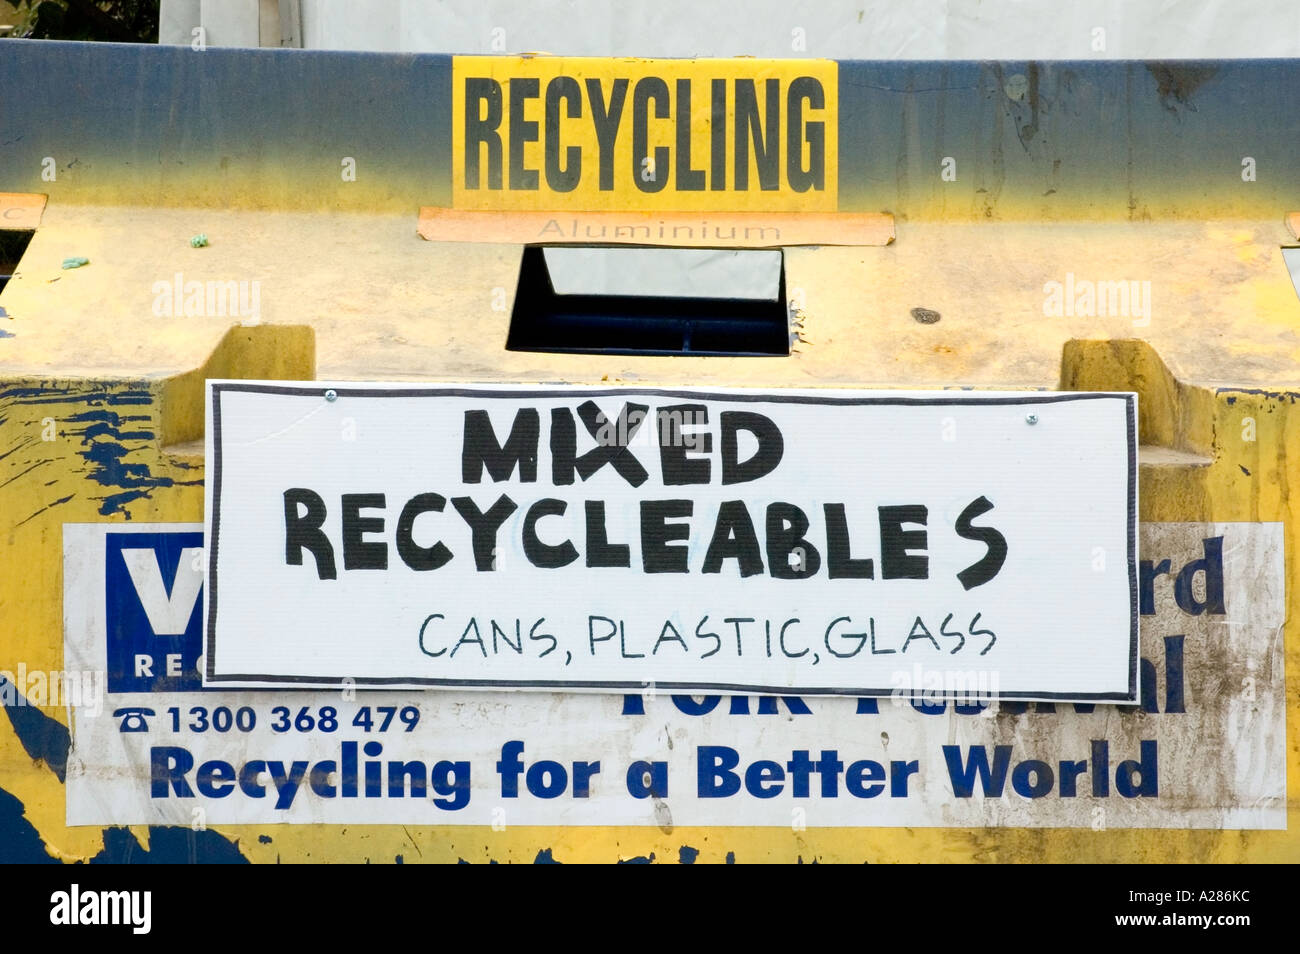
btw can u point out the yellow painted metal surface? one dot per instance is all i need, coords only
(34, 472)
(1217, 354)
(386, 304)
(101, 367)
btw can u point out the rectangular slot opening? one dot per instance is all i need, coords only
(650, 301)
(13, 242)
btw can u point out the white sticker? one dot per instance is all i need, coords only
(1204, 749)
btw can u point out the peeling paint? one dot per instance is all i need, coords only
(20, 843)
(168, 845)
(107, 439)
(43, 738)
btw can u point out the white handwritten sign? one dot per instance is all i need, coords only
(842, 542)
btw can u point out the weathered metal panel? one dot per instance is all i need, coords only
(1055, 141)
(1090, 172)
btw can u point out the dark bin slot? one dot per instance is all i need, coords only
(13, 242)
(742, 320)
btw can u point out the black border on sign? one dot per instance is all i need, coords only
(1130, 402)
